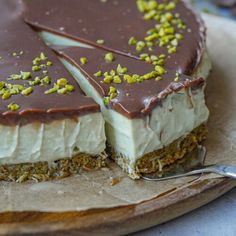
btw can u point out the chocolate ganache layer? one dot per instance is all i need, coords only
(112, 24)
(34, 85)
(133, 99)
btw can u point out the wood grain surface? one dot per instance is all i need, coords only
(120, 220)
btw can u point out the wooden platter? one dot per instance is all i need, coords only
(120, 220)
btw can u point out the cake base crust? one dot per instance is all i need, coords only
(157, 160)
(43, 171)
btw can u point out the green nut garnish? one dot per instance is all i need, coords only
(62, 82)
(46, 80)
(132, 41)
(140, 45)
(109, 57)
(107, 79)
(100, 41)
(62, 91)
(117, 79)
(98, 74)
(83, 60)
(160, 70)
(35, 68)
(42, 56)
(70, 88)
(121, 70)
(112, 72)
(27, 91)
(36, 61)
(106, 100)
(49, 63)
(25, 75)
(6, 95)
(52, 90)
(13, 106)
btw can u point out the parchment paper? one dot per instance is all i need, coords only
(94, 190)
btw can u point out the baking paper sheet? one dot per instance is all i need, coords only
(94, 189)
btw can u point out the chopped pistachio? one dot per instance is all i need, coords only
(15, 77)
(132, 41)
(100, 41)
(46, 80)
(27, 91)
(98, 74)
(113, 95)
(170, 6)
(140, 45)
(13, 106)
(106, 100)
(112, 72)
(161, 62)
(62, 82)
(121, 70)
(52, 90)
(160, 70)
(83, 60)
(35, 68)
(172, 50)
(62, 91)
(107, 79)
(2, 84)
(117, 79)
(36, 81)
(143, 56)
(70, 88)
(14, 54)
(152, 37)
(154, 58)
(25, 75)
(49, 63)
(106, 74)
(162, 56)
(112, 90)
(36, 61)
(141, 5)
(130, 79)
(109, 57)
(179, 36)
(6, 95)
(42, 56)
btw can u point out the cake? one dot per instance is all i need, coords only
(144, 63)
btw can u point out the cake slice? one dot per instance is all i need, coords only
(48, 127)
(153, 116)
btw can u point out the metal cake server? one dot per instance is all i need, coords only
(193, 165)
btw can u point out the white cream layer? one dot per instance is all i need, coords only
(180, 113)
(53, 141)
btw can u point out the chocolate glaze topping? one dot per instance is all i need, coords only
(17, 37)
(113, 21)
(142, 97)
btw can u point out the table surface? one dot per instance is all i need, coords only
(216, 218)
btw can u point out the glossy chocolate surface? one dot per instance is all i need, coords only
(115, 21)
(17, 37)
(142, 97)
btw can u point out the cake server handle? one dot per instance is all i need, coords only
(224, 170)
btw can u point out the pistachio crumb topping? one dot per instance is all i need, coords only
(27, 91)
(83, 60)
(109, 57)
(13, 106)
(100, 41)
(98, 74)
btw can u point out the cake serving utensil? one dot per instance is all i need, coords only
(194, 165)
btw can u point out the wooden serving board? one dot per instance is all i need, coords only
(120, 220)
